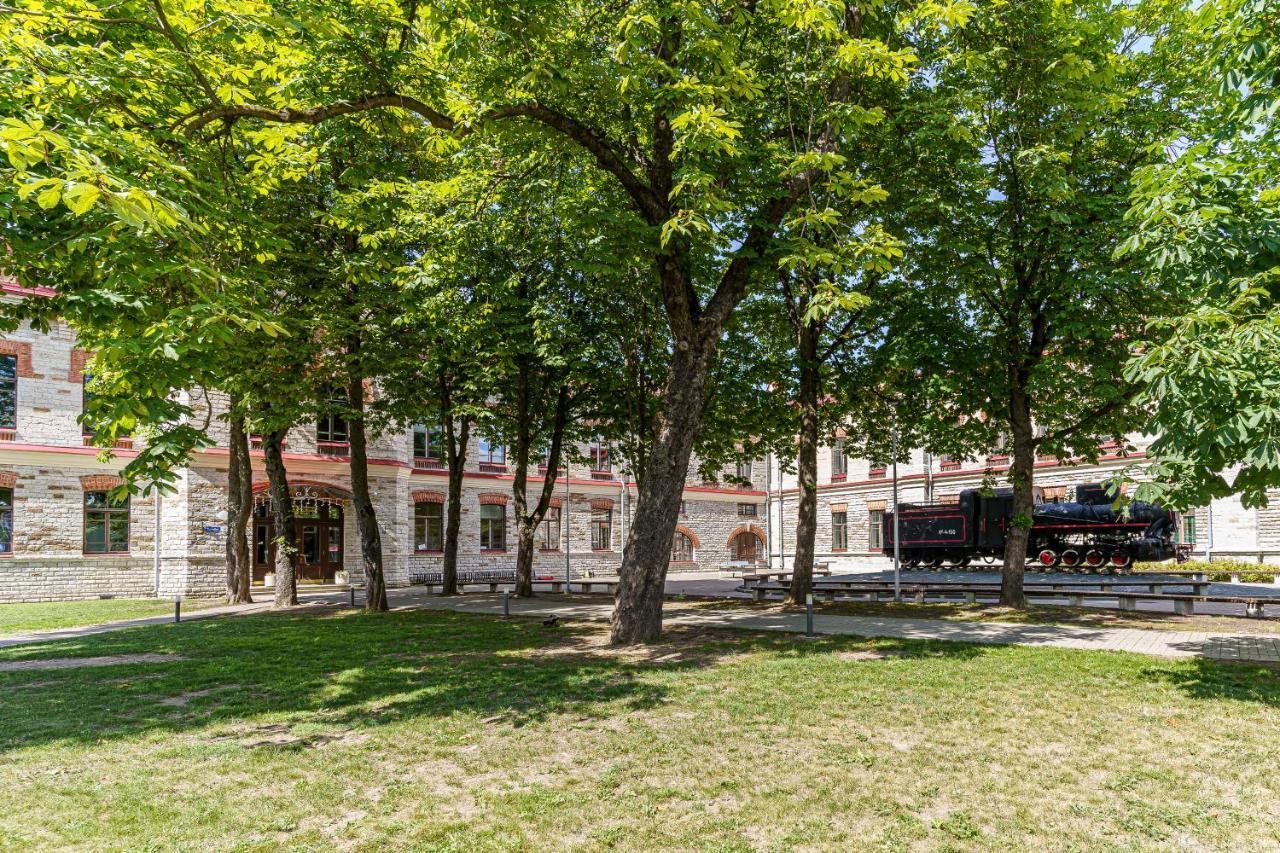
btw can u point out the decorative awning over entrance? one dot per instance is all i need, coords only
(305, 490)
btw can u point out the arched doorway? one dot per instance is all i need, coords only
(746, 545)
(318, 515)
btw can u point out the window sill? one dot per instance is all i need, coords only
(839, 550)
(549, 551)
(601, 550)
(428, 463)
(602, 475)
(493, 550)
(877, 473)
(839, 478)
(683, 563)
(492, 468)
(104, 553)
(428, 552)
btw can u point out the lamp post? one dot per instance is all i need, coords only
(897, 525)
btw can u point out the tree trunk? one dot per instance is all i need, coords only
(375, 594)
(239, 509)
(1021, 474)
(807, 508)
(527, 522)
(286, 563)
(456, 437)
(637, 614)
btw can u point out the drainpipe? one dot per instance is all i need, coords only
(623, 503)
(155, 544)
(565, 516)
(1208, 542)
(768, 505)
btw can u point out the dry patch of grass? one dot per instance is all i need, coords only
(441, 731)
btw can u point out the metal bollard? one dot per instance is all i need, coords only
(808, 615)
(177, 608)
(506, 602)
(352, 590)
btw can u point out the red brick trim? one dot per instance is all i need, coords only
(99, 482)
(874, 505)
(494, 498)
(839, 507)
(745, 528)
(602, 503)
(426, 496)
(79, 358)
(22, 352)
(8, 479)
(693, 537)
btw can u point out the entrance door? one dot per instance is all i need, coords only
(317, 531)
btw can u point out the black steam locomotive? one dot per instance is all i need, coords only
(1083, 533)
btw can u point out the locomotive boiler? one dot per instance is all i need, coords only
(1083, 533)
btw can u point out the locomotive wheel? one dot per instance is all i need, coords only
(1047, 559)
(989, 559)
(1070, 558)
(929, 563)
(1094, 559)
(1121, 561)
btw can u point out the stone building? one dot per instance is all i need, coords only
(62, 536)
(853, 494)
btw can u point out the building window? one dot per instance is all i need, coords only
(106, 523)
(681, 548)
(1189, 527)
(748, 510)
(744, 470)
(839, 462)
(598, 456)
(6, 521)
(684, 509)
(947, 462)
(332, 429)
(428, 442)
(428, 526)
(840, 531)
(875, 529)
(493, 527)
(492, 454)
(547, 536)
(601, 529)
(8, 391)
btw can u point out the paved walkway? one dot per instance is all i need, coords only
(1176, 644)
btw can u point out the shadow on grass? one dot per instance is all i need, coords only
(350, 670)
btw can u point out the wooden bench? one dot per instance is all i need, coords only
(1197, 586)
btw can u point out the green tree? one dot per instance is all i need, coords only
(1206, 219)
(1017, 154)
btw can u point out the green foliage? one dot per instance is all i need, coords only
(1206, 219)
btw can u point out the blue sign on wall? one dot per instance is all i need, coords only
(213, 528)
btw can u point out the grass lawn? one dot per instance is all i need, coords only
(445, 731)
(47, 616)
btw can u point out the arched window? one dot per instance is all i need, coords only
(681, 548)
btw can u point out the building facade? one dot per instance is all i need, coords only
(62, 535)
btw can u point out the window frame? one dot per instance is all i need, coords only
(839, 461)
(875, 529)
(6, 521)
(422, 524)
(5, 382)
(601, 529)
(428, 432)
(748, 510)
(487, 450)
(107, 512)
(743, 470)
(840, 530)
(491, 525)
(542, 535)
(682, 537)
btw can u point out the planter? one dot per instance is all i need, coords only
(269, 580)
(340, 578)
